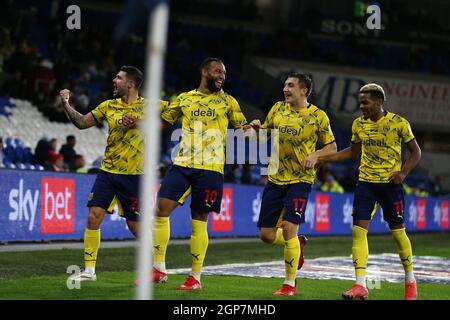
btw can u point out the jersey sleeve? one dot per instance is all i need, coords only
(172, 112)
(163, 105)
(235, 115)
(268, 123)
(325, 133)
(99, 112)
(355, 132)
(406, 132)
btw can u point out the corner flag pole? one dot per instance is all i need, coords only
(156, 46)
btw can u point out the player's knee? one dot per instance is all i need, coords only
(95, 218)
(289, 230)
(267, 237)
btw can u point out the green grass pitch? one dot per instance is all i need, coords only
(42, 274)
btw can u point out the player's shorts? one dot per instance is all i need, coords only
(283, 203)
(388, 195)
(123, 189)
(204, 186)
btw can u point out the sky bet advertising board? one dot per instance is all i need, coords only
(52, 206)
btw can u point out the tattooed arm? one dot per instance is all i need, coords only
(80, 121)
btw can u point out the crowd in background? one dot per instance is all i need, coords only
(39, 56)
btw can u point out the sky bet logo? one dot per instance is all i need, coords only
(57, 198)
(57, 205)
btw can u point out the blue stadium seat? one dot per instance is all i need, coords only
(10, 166)
(19, 154)
(20, 165)
(9, 152)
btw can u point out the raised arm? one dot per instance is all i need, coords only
(80, 121)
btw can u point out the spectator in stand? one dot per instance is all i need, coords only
(79, 164)
(331, 185)
(57, 163)
(68, 151)
(41, 153)
(232, 175)
(247, 170)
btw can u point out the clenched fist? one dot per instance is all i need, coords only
(65, 94)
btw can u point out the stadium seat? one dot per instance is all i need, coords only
(20, 165)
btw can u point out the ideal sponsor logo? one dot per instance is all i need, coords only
(57, 205)
(224, 220)
(203, 113)
(323, 212)
(290, 130)
(23, 203)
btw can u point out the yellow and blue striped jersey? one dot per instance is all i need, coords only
(298, 133)
(205, 119)
(381, 145)
(125, 149)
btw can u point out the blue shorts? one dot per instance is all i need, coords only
(110, 188)
(283, 203)
(388, 195)
(205, 186)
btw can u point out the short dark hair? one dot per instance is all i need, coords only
(375, 90)
(205, 63)
(70, 137)
(304, 80)
(133, 74)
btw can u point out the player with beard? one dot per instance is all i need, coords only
(122, 164)
(198, 168)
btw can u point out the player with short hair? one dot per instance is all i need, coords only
(122, 164)
(198, 168)
(300, 125)
(378, 136)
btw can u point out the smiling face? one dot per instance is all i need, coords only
(214, 75)
(121, 85)
(293, 91)
(370, 108)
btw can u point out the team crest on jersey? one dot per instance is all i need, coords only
(216, 100)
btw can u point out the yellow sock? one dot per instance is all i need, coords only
(91, 245)
(291, 257)
(199, 244)
(360, 250)
(404, 248)
(279, 239)
(161, 238)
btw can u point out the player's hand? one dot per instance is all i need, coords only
(311, 161)
(255, 124)
(397, 177)
(65, 94)
(128, 120)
